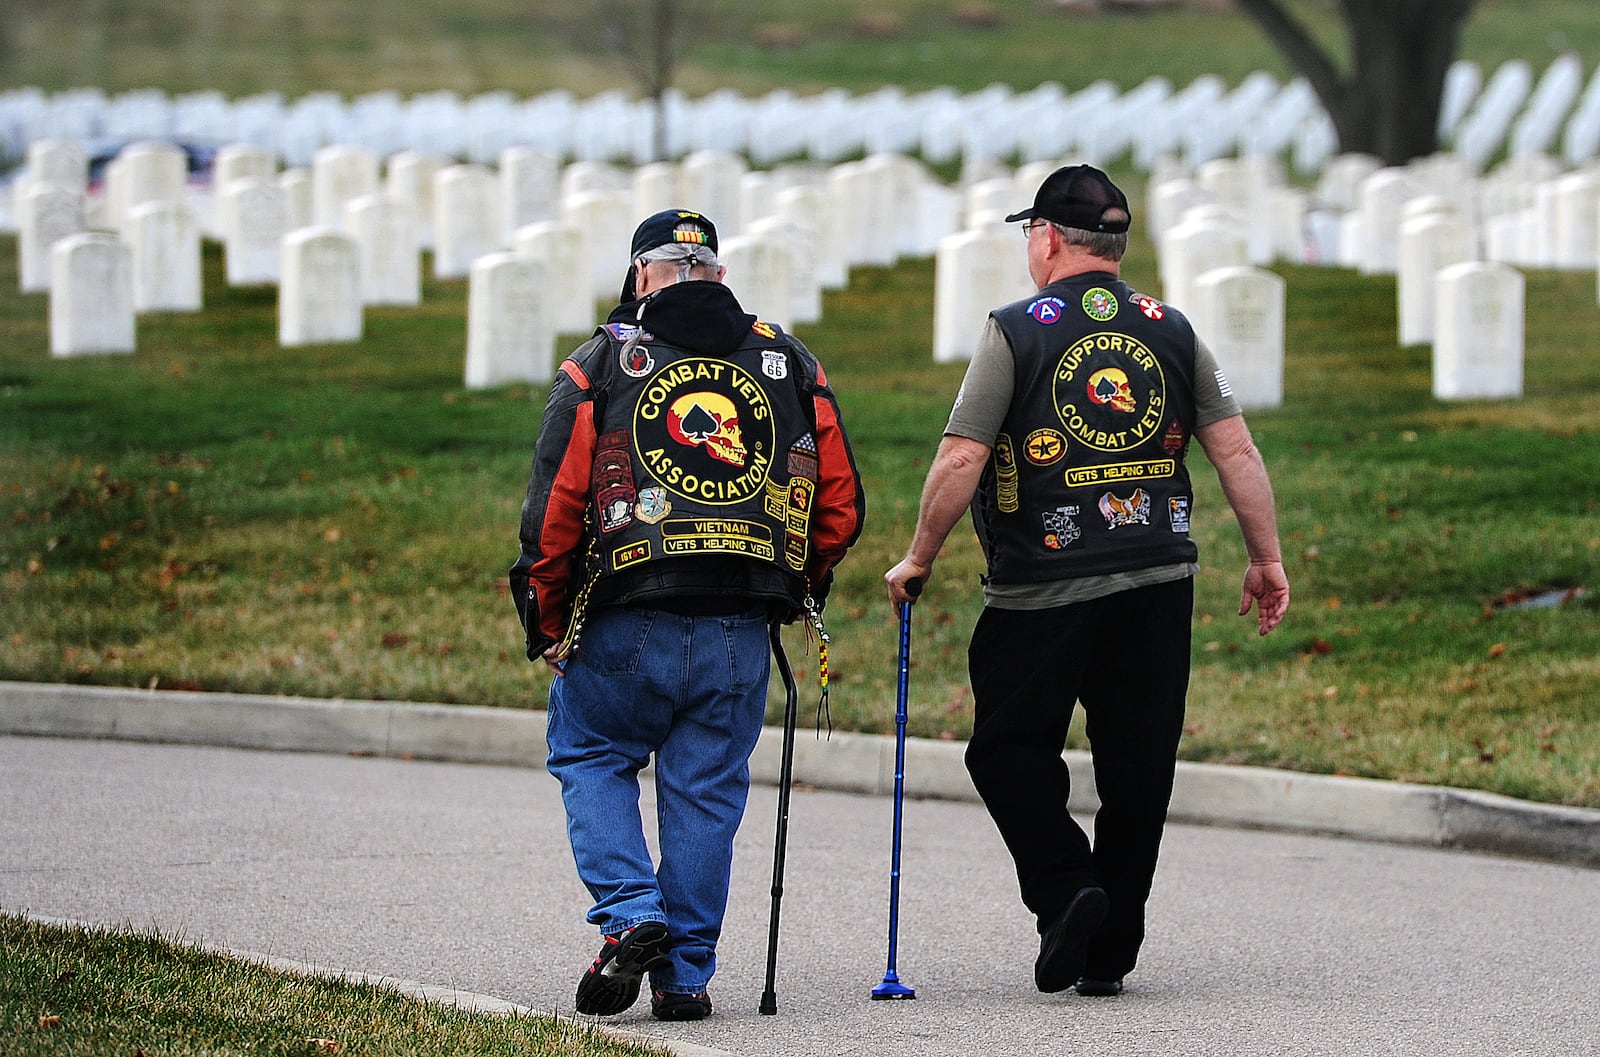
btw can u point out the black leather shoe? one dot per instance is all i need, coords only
(670, 1005)
(1089, 987)
(1065, 944)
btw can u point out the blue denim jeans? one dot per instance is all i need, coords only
(693, 691)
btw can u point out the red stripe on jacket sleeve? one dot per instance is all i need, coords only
(561, 534)
(841, 503)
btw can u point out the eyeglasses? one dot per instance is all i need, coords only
(1029, 225)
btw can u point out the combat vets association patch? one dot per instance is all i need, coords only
(704, 430)
(774, 364)
(1047, 310)
(1099, 305)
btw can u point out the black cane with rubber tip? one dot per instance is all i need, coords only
(891, 986)
(769, 997)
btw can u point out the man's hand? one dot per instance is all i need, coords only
(1267, 586)
(556, 657)
(906, 581)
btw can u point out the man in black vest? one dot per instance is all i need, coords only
(691, 483)
(1067, 442)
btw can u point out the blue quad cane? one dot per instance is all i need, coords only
(891, 986)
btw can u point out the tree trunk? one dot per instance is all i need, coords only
(662, 69)
(1388, 103)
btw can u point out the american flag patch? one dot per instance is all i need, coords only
(1222, 384)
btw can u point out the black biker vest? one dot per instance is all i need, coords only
(1087, 476)
(705, 469)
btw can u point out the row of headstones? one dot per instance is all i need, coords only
(1528, 211)
(808, 227)
(1470, 309)
(1099, 121)
(1208, 265)
(1511, 109)
(976, 270)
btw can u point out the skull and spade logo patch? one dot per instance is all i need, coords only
(704, 430)
(1110, 392)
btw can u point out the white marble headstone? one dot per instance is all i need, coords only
(1478, 347)
(1239, 313)
(510, 337)
(91, 295)
(319, 295)
(165, 240)
(385, 230)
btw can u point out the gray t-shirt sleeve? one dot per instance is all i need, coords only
(985, 394)
(1213, 396)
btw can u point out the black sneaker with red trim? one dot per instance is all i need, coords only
(612, 983)
(672, 1005)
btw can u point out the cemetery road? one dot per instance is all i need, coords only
(459, 875)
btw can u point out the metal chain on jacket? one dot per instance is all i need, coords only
(580, 601)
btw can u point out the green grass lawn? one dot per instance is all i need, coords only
(215, 512)
(89, 992)
(529, 46)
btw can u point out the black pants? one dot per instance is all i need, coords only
(1126, 658)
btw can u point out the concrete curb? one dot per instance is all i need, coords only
(1248, 797)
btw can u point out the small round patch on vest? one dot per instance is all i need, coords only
(1099, 305)
(1047, 310)
(636, 361)
(1044, 447)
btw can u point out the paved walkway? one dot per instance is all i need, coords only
(459, 875)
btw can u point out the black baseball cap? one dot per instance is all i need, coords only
(666, 228)
(1079, 196)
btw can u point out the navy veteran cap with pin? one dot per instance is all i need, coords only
(666, 228)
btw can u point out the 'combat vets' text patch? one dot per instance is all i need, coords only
(1110, 392)
(1099, 305)
(705, 431)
